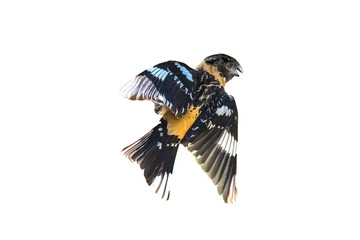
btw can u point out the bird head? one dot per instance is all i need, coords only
(226, 66)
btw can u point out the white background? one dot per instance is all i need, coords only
(64, 123)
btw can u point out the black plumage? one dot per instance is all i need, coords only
(196, 112)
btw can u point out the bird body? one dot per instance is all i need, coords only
(180, 126)
(196, 112)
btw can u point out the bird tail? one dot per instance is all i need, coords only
(155, 152)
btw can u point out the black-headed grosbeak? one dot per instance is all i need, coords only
(196, 112)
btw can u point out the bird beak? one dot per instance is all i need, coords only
(239, 68)
(235, 72)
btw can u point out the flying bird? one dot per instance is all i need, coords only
(196, 112)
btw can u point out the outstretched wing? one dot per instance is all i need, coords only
(213, 140)
(170, 83)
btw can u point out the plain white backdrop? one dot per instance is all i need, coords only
(64, 123)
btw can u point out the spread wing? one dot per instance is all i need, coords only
(170, 83)
(213, 140)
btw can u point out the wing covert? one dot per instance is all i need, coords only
(170, 83)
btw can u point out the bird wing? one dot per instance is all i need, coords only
(213, 140)
(170, 83)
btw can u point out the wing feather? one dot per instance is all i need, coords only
(170, 83)
(213, 140)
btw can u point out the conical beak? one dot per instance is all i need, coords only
(239, 68)
(235, 71)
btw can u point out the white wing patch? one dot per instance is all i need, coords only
(224, 110)
(140, 88)
(227, 143)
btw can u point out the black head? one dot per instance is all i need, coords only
(227, 66)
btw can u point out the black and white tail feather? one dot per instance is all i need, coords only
(155, 152)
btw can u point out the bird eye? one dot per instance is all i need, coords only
(229, 66)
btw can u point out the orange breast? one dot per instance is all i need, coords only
(210, 69)
(179, 126)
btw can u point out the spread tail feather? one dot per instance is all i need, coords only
(155, 152)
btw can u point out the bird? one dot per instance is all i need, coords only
(197, 113)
